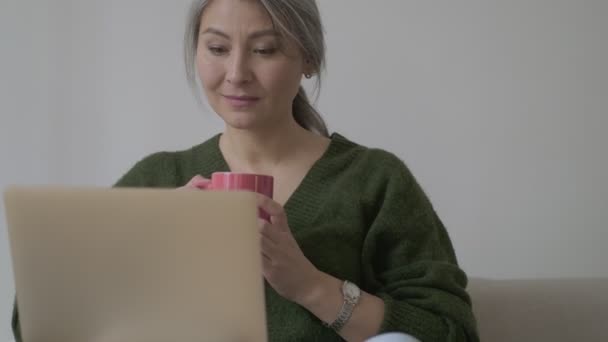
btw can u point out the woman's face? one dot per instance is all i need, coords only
(250, 76)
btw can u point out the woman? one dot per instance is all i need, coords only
(354, 248)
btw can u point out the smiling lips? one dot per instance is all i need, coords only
(241, 101)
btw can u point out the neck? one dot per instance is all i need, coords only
(261, 151)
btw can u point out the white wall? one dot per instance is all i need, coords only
(499, 108)
(28, 102)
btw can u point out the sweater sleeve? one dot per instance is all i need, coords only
(410, 263)
(156, 170)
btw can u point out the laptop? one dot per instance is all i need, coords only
(109, 265)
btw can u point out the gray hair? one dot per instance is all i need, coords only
(297, 20)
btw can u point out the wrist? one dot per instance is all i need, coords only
(323, 298)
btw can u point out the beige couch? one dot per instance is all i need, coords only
(541, 310)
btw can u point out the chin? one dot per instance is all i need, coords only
(241, 120)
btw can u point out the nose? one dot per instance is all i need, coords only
(238, 70)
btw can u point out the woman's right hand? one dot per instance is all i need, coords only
(197, 182)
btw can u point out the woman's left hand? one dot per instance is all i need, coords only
(285, 267)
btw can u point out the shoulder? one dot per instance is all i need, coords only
(154, 170)
(156, 159)
(382, 160)
(373, 163)
(169, 168)
(378, 177)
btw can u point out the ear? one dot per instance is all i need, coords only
(308, 69)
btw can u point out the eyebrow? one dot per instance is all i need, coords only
(254, 35)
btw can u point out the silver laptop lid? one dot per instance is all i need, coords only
(104, 265)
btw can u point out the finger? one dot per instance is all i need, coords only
(274, 209)
(266, 265)
(262, 223)
(267, 231)
(266, 259)
(199, 182)
(269, 248)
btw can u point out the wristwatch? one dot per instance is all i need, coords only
(351, 295)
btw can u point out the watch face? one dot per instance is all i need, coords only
(351, 290)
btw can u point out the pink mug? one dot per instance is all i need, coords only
(262, 184)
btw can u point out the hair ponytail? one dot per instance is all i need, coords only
(306, 115)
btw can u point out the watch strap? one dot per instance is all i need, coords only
(346, 310)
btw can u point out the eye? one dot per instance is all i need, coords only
(217, 50)
(265, 51)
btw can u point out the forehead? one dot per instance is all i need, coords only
(236, 14)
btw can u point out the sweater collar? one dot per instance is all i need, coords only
(302, 204)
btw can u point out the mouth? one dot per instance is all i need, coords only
(241, 101)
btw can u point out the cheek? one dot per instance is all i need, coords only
(209, 72)
(284, 80)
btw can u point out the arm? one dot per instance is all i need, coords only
(410, 275)
(296, 279)
(408, 261)
(325, 302)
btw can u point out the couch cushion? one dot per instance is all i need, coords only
(541, 310)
